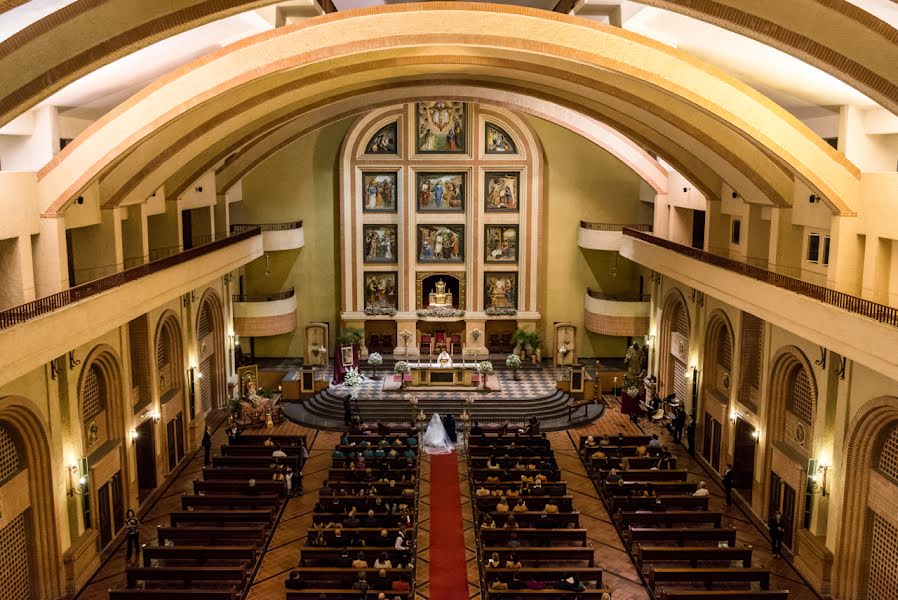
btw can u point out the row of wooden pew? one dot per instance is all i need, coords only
(343, 530)
(546, 553)
(212, 546)
(684, 550)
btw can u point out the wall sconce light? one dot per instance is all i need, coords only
(756, 434)
(73, 362)
(80, 200)
(819, 478)
(733, 416)
(77, 480)
(198, 189)
(685, 190)
(134, 434)
(814, 198)
(155, 416)
(735, 195)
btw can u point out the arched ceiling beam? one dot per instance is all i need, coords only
(572, 54)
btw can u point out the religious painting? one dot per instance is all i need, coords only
(497, 141)
(384, 141)
(380, 243)
(441, 192)
(381, 289)
(441, 127)
(441, 243)
(501, 192)
(379, 192)
(500, 290)
(500, 243)
(249, 382)
(346, 356)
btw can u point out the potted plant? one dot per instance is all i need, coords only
(375, 360)
(513, 362)
(351, 336)
(485, 368)
(533, 346)
(402, 368)
(520, 338)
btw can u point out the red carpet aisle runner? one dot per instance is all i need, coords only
(448, 570)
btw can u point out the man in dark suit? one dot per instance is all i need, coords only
(729, 477)
(449, 426)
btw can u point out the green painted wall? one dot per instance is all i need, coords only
(299, 182)
(583, 182)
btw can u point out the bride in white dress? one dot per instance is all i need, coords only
(436, 440)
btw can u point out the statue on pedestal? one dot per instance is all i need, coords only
(439, 297)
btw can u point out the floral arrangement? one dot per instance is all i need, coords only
(513, 362)
(406, 335)
(475, 334)
(485, 368)
(402, 368)
(353, 377)
(501, 311)
(441, 312)
(375, 359)
(632, 391)
(380, 311)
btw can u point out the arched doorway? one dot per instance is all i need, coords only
(29, 549)
(674, 346)
(790, 433)
(210, 353)
(100, 403)
(716, 384)
(866, 562)
(170, 369)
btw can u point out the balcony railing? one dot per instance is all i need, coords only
(48, 304)
(866, 308)
(616, 297)
(263, 297)
(237, 227)
(613, 226)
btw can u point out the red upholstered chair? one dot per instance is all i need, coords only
(426, 346)
(440, 340)
(387, 342)
(374, 343)
(454, 343)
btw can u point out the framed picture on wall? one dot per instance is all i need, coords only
(381, 243)
(497, 140)
(500, 289)
(441, 243)
(441, 192)
(441, 127)
(381, 289)
(379, 192)
(500, 243)
(384, 141)
(501, 192)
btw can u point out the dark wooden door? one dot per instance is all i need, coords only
(186, 230)
(170, 445)
(104, 515)
(146, 458)
(776, 495)
(744, 455)
(698, 229)
(118, 502)
(715, 444)
(706, 438)
(179, 435)
(788, 515)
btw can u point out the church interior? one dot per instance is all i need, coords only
(339, 299)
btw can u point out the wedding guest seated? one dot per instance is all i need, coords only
(325, 489)
(551, 509)
(278, 453)
(702, 490)
(502, 505)
(492, 464)
(513, 542)
(268, 442)
(493, 562)
(362, 583)
(510, 523)
(402, 585)
(613, 477)
(488, 522)
(383, 562)
(513, 562)
(498, 585)
(293, 582)
(476, 430)
(521, 506)
(482, 491)
(590, 442)
(360, 562)
(344, 561)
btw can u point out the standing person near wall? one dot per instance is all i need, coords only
(133, 535)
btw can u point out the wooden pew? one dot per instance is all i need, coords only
(229, 487)
(709, 576)
(253, 461)
(172, 594)
(548, 554)
(259, 439)
(724, 595)
(669, 518)
(634, 462)
(324, 555)
(344, 578)
(214, 502)
(546, 573)
(384, 520)
(190, 577)
(340, 594)
(210, 536)
(664, 488)
(678, 502)
(630, 440)
(564, 503)
(530, 517)
(499, 537)
(549, 487)
(234, 555)
(693, 554)
(257, 450)
(224, 518)
(681, 536)
(548, 593)
(648, 475)
(513, 474)
(234, 473)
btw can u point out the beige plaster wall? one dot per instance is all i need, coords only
(298, 183)
(583, 182)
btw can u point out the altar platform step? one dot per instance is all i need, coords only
(325, 410)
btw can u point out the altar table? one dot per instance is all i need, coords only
(432, 375)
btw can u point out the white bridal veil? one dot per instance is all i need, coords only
(436, 440)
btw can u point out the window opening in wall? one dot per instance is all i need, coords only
(814, 247)
(63, 142)
(825, 260)
(737, 231)
(809, 494)
(832, 141)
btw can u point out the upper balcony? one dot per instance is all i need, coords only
(37, 332)
(859, 329)
(604, 236)
(271, 314)
(277, 236)
(610, 314)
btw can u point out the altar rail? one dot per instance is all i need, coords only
(263, 297)
(617, 298)
(48, 304)
(614, 226)
(867, 308)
